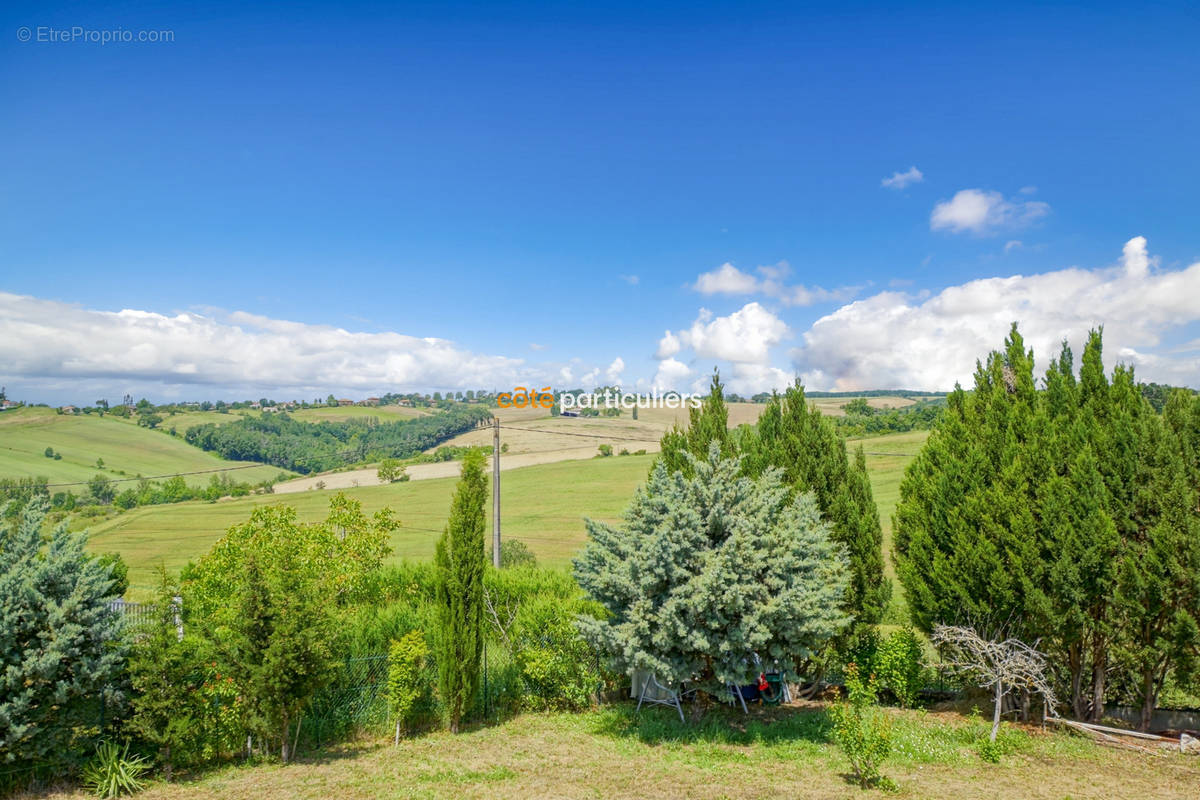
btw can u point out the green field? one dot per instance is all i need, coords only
(542, 506)
(127, 450)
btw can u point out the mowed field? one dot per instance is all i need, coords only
(127, 450)
(542, 506)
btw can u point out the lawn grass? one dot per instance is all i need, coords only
(615, 753)
(127, 450)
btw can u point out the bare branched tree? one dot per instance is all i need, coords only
(502, 626)
(1001, 666)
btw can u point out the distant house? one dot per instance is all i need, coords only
(370, 401)
(272, 409)
(345, 402)
(256, 404)
(404, 401)
(68, 409)
(5, 405)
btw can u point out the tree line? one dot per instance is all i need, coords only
(1066, 514)
(307, 447)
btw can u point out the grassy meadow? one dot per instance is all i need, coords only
(615, 753)
(542, 506)
(127, 450)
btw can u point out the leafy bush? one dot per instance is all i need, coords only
(407, 683)
(559, 669)
(899, 666)
(113, 772)
(989, 751)
(606, 450)
(514, 553)
(861, 729)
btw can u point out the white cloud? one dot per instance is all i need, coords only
(671, 374)
(894, 340)
(668, 346)
(901, 179)
(65, 348)
(1013, 244)
(728, 279)
(538, 347)
(613, 373)
(978, 211)
(746, 335)
(632, 280)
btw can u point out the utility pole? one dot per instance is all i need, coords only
(496, 492)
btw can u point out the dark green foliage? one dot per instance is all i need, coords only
(797, 438)
(118, 571)
(315, 447)
(60, 644)
(1066, 516)
(916, 417)
(460, 566)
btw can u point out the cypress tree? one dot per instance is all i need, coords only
(797, 438)
(460, 566)
(707, 423)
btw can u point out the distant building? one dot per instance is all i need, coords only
(345, 402)
(5, 405)
(68, 409)
(256, 404)
(371, 401)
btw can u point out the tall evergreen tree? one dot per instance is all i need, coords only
(795, 437)
(706, 424)
(60, 648)
(460, 562)
(710, 567)
(1158, 590)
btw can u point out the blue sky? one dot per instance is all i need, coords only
(495, 175)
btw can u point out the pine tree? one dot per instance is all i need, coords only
(460, 566)
(710, 568)
(60, 643)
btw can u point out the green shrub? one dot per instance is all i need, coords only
(407, 682)
(514, 553)
(112, 772)
(899, 666)
(862, 730)
(559, 669)
(989, 751)
(606, 450)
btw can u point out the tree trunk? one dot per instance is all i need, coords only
(284, 752)
(1075, 664)
(1149, 698)
(1099, 669)
(996, 712)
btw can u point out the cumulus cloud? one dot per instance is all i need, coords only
(53, 344)
(894, 340)
(901, 179)
(977, 211)
(743, 339)
(632, 280)
(613, 373)
(728, 279)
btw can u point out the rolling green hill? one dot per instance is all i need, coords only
(127, 450)
(541, 505)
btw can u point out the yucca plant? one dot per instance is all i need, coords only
(112, 772)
